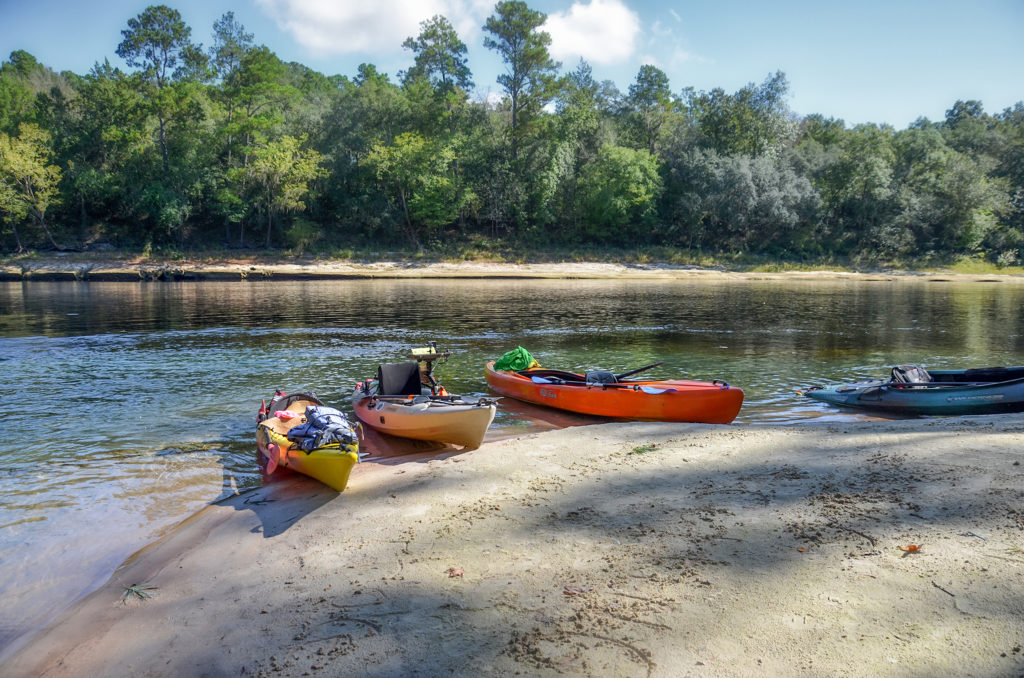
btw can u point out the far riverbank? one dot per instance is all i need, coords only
(73, 268)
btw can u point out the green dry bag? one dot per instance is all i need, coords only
(516, 359)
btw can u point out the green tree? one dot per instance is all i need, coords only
(12, 209)
(969, 130)
(158, 42)
(230, 45)
(28, 177)
(619, 191)
(436, 88)
(419, 173)
(529, 79)
(437, 84)
(741, 203)
(948, 202)
(859, 192)
(262, 95)
(110, 151)
(280, 175)
(825, 131)
(440, 58)
(751, 121)
(577, 140)
(649, 104)
(381, 109)
(363, 112)
(16, 95)
(1008, 238)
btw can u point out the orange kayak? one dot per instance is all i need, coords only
(706, 402)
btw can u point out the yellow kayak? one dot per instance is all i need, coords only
(330, 463)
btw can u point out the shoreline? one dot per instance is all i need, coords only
(56, 270)
(611, 549)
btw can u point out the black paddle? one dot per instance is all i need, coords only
(636, 371)
(570, 382)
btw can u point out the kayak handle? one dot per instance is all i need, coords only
(721, 382)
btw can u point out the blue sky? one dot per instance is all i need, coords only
(868, 61)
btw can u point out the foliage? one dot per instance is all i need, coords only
(279, 177)
(419, 174)
(618, 194)
(752, 121)
(157, 42)
(28, 180)
(440, 57)
(742, 203)
(648, 106)
(302, 234)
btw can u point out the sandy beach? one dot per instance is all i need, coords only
(99, 270)
(636, 549)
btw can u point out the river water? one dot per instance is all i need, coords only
(131, 406)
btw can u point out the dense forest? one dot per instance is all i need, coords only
(227, 146)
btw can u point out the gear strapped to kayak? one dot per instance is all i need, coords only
(324, 426)
(299, 432)
(516, 359)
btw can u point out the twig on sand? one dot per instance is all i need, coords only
(850, 529)
(942, 589)
(642, 655)
(629, 595)
(653, 625)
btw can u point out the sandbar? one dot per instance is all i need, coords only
(292, 268)
(830, 548)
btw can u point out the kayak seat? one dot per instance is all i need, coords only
(399, 379)
(910, 374)
(284, 402)
(600, 377)
(993, 374)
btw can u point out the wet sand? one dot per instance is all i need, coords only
(625, 549)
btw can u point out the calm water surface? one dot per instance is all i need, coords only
(131, 406)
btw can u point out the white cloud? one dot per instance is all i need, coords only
(659, 30)
(600, 31)
(681, 56)
(326, 27)
(663, 40)
(650, 60)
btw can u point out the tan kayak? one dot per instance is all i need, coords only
(406, 400)
(445, 419)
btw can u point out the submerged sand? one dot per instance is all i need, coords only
(636, 549)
